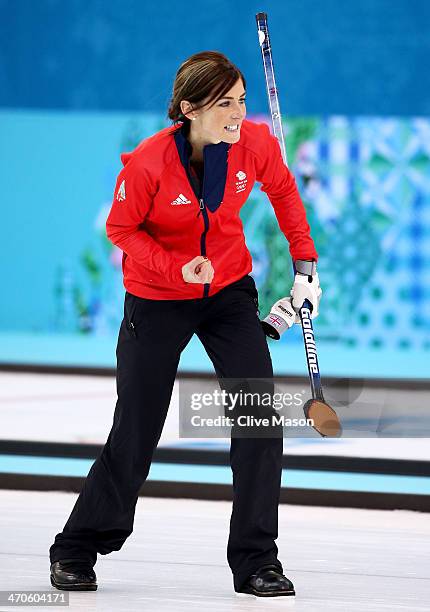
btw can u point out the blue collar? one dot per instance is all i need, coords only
(215, 157)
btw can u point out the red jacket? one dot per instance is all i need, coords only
(161, 222)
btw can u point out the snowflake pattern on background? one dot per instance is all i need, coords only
(365, 183)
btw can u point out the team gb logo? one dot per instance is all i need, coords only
(241, 181)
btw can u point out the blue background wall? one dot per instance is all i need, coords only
(365, 57)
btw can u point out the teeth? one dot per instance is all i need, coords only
(231, 128)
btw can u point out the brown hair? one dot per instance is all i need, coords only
(204, 77)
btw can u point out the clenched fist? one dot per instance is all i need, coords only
(198, 270)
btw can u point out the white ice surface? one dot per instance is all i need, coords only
(342, 560)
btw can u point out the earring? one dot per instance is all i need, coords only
(193, 118)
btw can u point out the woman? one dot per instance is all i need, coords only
(175, 215)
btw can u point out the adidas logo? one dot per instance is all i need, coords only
(181, 199)
(120, 196)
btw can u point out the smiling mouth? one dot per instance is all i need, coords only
(232, 128)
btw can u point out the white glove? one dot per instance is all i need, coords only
(306, 288)
(282, 316)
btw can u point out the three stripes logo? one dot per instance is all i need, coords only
(120, 196)
(181, 199)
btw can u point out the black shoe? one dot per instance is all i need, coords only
(268, 581)
(73, 575)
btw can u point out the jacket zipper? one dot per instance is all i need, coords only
(203, 210)
(203, 240)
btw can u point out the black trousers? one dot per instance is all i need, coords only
(152, 336)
